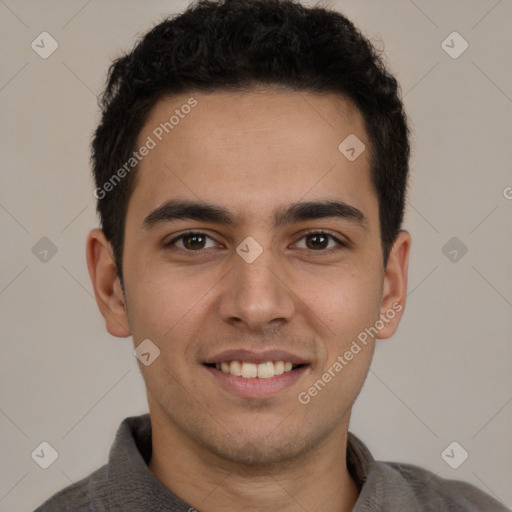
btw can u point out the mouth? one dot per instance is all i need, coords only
(249, 370)
(256, 380)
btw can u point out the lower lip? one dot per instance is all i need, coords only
(255, 387)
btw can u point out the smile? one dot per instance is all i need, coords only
(256, 380)
(248, 370)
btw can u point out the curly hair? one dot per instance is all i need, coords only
(236, 45)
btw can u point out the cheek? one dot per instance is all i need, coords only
(346, 307)
(161, 304)
(346, 303)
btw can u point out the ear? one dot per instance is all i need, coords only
(395, 285)
(106, 284)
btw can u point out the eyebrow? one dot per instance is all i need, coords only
(290, 214)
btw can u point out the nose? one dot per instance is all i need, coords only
(257, 295)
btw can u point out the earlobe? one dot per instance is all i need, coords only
(107, 288)
(395, 285)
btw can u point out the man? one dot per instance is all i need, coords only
(251, 168)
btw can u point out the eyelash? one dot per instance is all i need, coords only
(171, 244)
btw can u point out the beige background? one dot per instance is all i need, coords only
(445, 376)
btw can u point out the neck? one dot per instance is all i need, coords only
(316, 481)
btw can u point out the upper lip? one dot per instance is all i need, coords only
(250, 356)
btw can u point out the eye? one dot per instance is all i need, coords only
(320, 240)
(196, 241)
(193, 241)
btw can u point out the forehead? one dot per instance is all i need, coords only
(252, 150)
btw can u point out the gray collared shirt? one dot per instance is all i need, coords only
(126, 484)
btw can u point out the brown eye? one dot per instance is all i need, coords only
(194, 241)
(191, 241)
(317, 241)
(320, 241)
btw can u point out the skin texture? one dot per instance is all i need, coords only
(252, 153)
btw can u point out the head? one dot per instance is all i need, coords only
(242, 107)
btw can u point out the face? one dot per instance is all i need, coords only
(251, 239)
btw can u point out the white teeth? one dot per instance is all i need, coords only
(265, 370)
(249, 370)
(235, 368)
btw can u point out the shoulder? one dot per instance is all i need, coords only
(87, 495)
(432, 492)
(410, 488)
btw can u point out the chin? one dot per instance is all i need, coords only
(253, 450)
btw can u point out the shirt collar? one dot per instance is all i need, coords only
(132, 485)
